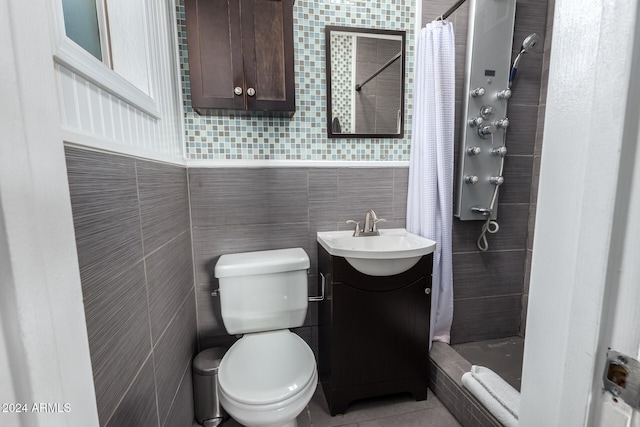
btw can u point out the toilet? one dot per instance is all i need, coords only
(268, 376)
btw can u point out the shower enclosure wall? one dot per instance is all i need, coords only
(491, 288)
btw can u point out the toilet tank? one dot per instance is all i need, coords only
(263, 291)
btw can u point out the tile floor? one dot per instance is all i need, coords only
(397, 410)
(504, 356)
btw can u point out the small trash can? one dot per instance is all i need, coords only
(206, 400)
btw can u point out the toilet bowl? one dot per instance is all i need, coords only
(268, 376)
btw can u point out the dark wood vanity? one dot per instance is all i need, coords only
(374, 331)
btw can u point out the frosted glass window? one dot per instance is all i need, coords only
(81, 24)
(127, 31)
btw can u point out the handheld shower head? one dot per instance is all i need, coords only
(528, 44)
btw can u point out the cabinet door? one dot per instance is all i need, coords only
(380, 336)
(214, 40)
(267, 37)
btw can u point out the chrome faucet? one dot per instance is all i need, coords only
(370, 227)
(368, 224)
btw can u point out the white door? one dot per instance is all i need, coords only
(620, 326)
(585, 275)
(44, 348)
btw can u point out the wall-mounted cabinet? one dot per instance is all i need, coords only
(241, 55)
(374, 331)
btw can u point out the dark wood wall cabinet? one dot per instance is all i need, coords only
(241, 55)
(374, 331)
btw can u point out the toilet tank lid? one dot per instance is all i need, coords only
(261, 262)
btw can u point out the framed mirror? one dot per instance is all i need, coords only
(365, 82)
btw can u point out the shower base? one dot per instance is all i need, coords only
(447, 364)
(503, 356)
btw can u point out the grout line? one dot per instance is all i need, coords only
(489, 296)
(173, 400)
(161, 337)
(135, 377)
(174, 238)
(146, 286)
(193, 260)
(180, 307)
(308, 210)
(246, 225)
(135, 169)
(144, 260)
(155, 386)
(489, 251)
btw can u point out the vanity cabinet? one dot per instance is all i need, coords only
(241, 55)
(373, 331)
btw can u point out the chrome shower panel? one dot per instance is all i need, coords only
(484, 111)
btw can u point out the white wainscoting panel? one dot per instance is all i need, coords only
(95, 117)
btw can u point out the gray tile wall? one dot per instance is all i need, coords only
(239, 210)
(133, 235)
(489, 287)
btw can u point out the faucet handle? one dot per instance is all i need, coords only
(356, 232)
(376, 221)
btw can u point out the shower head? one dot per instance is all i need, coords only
(528, 44)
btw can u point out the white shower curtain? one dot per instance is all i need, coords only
(430, 197)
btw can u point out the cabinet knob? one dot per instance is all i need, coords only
(251, 91)
(237, 90)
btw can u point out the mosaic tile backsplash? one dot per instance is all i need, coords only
(341, 81)
(258, 136)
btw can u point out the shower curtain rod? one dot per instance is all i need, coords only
(379, 70)
(451, 10)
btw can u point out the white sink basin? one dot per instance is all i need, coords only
(392, 252)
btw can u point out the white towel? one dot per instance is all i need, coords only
(430, 195)
(500, 398)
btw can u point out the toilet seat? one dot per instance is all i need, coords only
(267, 368)
(279, 414)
